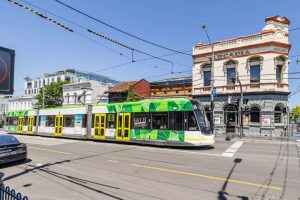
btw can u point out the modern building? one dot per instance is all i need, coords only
(172, 87)
(261, 63)
(119, 92)
(87, 92)
(33, 85)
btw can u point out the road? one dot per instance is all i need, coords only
(74, 169)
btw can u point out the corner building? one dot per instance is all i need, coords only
(261, 62)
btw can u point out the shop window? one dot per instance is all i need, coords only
(255, 115)
(68, 120)
(111, 120)
(190, 121)
(140, 120)
(160, 120)
(176, 121)
(277, 114)
(50, 120)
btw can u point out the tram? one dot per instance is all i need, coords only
(171, 122)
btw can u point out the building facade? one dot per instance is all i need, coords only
(173, 87)
(260, 61)
(33, 85)
(87, 92)
(3, 106)
(21, 103)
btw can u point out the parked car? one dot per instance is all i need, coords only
(11, 149)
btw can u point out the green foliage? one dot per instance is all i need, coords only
(131, 96)
(53, 95)
(295, 114)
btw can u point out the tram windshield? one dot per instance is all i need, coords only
(201, 118)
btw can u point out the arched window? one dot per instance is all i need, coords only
(255, 114)
(230, 67)
(279, 63)
(278, 114)
(206, 69)
(255, 64)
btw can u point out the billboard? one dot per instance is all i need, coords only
(7, 62)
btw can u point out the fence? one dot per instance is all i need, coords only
(7, 194)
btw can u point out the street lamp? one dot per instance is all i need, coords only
(212, 82)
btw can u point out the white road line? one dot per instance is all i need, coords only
(233, 149)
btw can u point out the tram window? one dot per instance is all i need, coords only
(93, 120)
(50, 120)
(176, 121)
(84, 121)
(191, 122)
(160, 120)
(12, 121)
(40, 120)
(111, 121)
(68, 120)
(140, 120)
(34, 121)
(25, 123)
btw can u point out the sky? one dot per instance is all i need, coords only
(42, 46)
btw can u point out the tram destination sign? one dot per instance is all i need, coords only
(7, 61)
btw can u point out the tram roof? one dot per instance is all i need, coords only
(150, 105)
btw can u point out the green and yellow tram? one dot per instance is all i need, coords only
(176, 122)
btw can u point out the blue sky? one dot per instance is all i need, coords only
(42, 46)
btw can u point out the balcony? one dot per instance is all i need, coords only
(251, 87)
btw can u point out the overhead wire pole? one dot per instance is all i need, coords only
(212, 80)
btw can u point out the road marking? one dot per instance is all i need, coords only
(61, 152)
(210, 177)
(39, 164)
(113, 161)
(232, 149)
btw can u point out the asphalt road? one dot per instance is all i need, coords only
(72, 169)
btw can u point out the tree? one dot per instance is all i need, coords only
(131, 96)
(53, 95)
(295, 114)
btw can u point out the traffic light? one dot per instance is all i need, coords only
(237, 102)
(246, 110)
(233, 79)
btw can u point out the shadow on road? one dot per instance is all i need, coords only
(222, 193)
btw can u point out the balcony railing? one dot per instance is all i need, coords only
(251, 87)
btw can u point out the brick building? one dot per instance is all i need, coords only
(119, 92)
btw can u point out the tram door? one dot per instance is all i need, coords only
(123, 127)
(58, 125)
(20, 124)
(30, 124)
(100, 126)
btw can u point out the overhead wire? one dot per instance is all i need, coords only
(92, 40)
(118, 29)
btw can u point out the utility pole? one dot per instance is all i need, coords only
(241, 106)
(44, 93)
(212, 82)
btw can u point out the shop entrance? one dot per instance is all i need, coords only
(230, 117)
